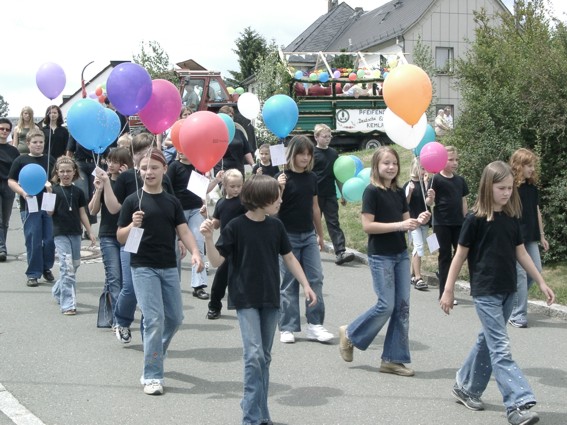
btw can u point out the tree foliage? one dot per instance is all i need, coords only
(4, 106)
(250, 47)
(156, 61)
(512, 82)
(343, 61)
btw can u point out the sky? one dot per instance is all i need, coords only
(65, 32)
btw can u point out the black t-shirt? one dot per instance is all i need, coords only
(449, 194)
(234, 155)
(179, 175)
(108, 221)
(59, 140)
(126, 184)
(19, 163)
(227, 209)
(8, 154)
(492, 253)
(529, 196)
(416, 203)
(162, 214)
(80, 153)
(324, 160)
(387, 206)
(66, 215)
(296, 211)
(252, 249)
(267, 170)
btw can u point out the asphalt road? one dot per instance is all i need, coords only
(56, 369)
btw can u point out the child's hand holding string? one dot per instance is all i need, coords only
(137, 218)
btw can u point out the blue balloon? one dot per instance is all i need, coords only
(324, 77)
(429, 136)
(298, 75)
(111, 129)
(353, 189)
(32, 178)
(280, 114)
(358, 163)
(365, 175)
(229, 125)
(86, 120)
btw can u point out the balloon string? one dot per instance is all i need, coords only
(48, 150)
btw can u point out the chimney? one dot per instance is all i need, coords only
(332, 4)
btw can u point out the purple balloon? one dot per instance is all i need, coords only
(129, 88)
(50, 79)
(337, 74)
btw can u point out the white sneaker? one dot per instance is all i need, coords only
(318, 333)
(287, 337)
(153, 388)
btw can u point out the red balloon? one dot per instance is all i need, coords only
(98, 91)
(352, 76)
(174, 134)
(204, 139)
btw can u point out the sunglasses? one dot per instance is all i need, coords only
(5, 129)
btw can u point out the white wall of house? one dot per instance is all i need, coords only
(91, 87)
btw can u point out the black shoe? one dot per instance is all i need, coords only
(344, 257)
(32, 282)
(201, 294)
(2, 257)
(213, 314)
(48, 276)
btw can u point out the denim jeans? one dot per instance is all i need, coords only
(159, 294)
(329, 207)
(125, 307)
(194, 220)
(68, 249)
(6, 202)
(306, 250)
(520, 311)
(492, 353)
(110, 249)
(40, 247)
(257, 328)
(391, 281)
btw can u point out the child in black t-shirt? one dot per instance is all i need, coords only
(491, 241)
(226, 209)
(264, 165)
(254, 284)
(160, 217)
(70, 211)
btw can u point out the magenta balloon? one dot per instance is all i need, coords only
(50, 79)
(433, 157)
(163, 108)
(129, 88)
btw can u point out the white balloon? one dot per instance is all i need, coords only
(401, 132)
(249, 105)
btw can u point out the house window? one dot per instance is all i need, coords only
(444, 60)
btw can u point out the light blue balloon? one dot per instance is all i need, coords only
(353, 189)
(111, 129)
(429, 136)
(364, 174)
(86, 121)
(229, 125)
(280, 114)
(358, 163)
(32, 178)
(324, 77)
(298, 75)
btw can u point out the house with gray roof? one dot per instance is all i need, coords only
(446, 26)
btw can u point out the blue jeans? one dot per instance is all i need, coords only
(257, 328)
(306, 250)
(110, 249)
(159, 294)
(6, 202)
(391, 280)
(194, 220)
(492, 353)
(68, 249)
(125, 307)
(520, 311)
(40, 247)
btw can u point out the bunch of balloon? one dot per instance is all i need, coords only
(348, 169)
(162, 109)
(407, 92)
(280, 114)
(129, 88)
(99, 93)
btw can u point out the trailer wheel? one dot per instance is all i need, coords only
(370, 142)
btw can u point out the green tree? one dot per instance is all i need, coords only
(423, 58)
(343, 61)
(250, 47)
(512, 83)
(4, 106)
(156, 61)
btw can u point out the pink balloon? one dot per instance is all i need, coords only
(162, 110)
(433, 157)
(50, 79)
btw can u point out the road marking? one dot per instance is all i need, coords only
(11, 407)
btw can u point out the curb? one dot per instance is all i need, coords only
(556, 311)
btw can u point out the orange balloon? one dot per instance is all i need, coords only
(175, 134)
(98, 91)
(407, 92)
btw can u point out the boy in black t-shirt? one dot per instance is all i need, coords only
(251, 245)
